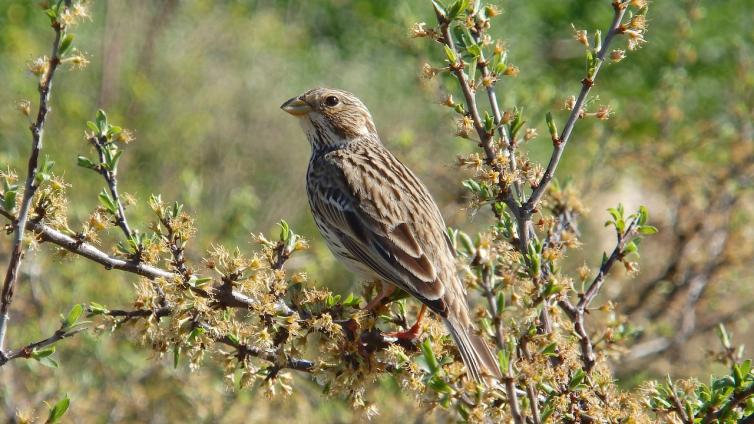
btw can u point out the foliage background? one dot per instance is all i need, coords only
(200, 83)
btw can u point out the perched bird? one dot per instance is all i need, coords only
(379, 219)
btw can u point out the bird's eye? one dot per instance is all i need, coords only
(331, 101)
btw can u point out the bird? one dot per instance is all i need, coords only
(379, 219)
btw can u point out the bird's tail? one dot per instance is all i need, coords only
(476, 354)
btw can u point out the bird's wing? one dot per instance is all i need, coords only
(386, 219)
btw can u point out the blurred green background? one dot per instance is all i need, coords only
(200, 84)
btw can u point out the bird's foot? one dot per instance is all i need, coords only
(412, 333)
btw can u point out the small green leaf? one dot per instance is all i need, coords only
(647, 230)
(97, 309)
(101, 120)
(9, 200)
(196, 332)
(84, 162)
(451, 55)
(58, 410)
(551, 126)
(73, 315)
(456, 8)
(576, 379)
(176, 355)
(107, 202)
(429, 356)
(65, 45)
(42, 353)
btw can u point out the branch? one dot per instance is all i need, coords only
(587, 83)
(110, 176)
(485, 138)
(30, 187)
(577, 313)
(224, 298)
(243, 350)
(26, 351)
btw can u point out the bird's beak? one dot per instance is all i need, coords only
(296, 107)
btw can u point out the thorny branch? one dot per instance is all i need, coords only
(30, 187)
(577, 313)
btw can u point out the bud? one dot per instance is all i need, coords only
(499, 47)
(447, 100)
(428, 72)
(603, 113)
(580, 35)
(530, 134)
(570, 103)
(39, 65)
(24, 106)
(511, 71)
(507, 117)
(617, 55)
(419, 30)
(491, 11)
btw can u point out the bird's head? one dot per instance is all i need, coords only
(331, 118)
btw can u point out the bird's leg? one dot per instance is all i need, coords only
(412, 332)
(385, 292)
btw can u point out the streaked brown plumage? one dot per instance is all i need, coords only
(378, 218)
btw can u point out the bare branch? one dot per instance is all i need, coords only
(577, 313)
(31, 186)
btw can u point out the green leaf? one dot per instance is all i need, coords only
(58, 410)
(285, 231)
(101, 120)
(551, 126)
(196, 332)
(9, 200)
(475, 51)
(517, 123)
(84, 162)
(550, 350)
(97, 309)
(576, 379)
(73, 315)
(92, 127)
(42, 353)
(647, 230)
(439, 385)
(456, 8)
(451, 55)
(176, 355)
(107, 202)
(643, 215)
(630, 248)
(429, 356)
(65, 45)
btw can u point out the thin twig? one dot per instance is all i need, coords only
(677, 404)
(577, 313)
(586, 85)
(28, 350)
(30, 187)
(110, 176)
